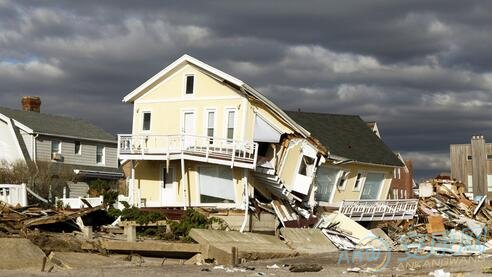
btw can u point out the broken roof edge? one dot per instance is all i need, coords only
(343, 160)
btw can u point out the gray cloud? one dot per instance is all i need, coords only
(422, 69)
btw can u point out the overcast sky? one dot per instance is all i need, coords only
(421, 69)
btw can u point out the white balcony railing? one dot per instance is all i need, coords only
(373, 210)
(201, 147)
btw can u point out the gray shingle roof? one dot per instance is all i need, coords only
(347, 136)
(58, 125)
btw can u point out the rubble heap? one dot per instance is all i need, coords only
(448, 220)
(13, 220)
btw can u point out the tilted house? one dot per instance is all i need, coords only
(201, 137)
(31, 136)
(360, 165)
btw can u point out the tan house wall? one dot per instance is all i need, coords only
(148, 181)
(349, 193)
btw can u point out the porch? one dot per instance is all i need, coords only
(374, 210)
(233, 153)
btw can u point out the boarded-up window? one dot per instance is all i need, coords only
(216, 184)
(372, 186)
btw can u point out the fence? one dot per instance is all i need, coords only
(77, 203)
(13, 194)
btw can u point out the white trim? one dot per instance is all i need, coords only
(185, 79)
(188, 98)
(339, 177)
(226, 119)
(363, 175)
(10, 125)
(16, 123)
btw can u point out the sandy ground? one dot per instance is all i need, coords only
(387, 264)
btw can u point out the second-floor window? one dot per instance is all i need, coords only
(100, 154)
(146, 121)
(190, 84)
(56, 147)
(78, 149)
(210, 125)
(231, 116)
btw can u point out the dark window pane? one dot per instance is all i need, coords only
(146, 122)
(189, 84)
(77, 147)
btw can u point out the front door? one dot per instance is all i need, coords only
(189, 129)
(168, 187)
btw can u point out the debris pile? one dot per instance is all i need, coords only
(13, 220)
(447, 221)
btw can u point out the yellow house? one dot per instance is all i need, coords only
(360, 166)
(201, 137)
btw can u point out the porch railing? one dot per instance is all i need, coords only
(202, 146)
(373, 210)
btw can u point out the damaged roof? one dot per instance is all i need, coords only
(347, 136)
(54, 125)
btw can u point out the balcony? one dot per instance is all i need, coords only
(375, 210)
(233, 153)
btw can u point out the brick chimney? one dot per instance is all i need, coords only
(31, 104)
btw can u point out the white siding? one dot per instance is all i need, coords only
(8, 148)
(87, 157)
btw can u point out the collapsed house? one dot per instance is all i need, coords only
(203, 138)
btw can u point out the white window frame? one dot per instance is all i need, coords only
(339, 178)
(143, 119)
(226, 119)
(186, 75)
(362, 180)
(219, 205)
(80, 147)
(207, 111)
(103, 158)
(380, 188)
(335, 188)
(59, 147)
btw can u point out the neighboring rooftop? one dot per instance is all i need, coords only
(58, 125)
(347, 136)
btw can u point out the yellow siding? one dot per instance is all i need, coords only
(349, 193)
(148, 180)
(167, 102)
